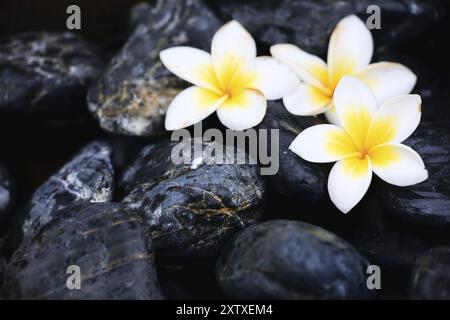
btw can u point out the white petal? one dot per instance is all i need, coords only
(306, 101)
(355, 105)
(323, 143)
(349, 181)
(190, 106)
(395, 121)
(350, 49)
(398, 164)
(275, 80)
(309, 68)
(233, 39)
(332, 116)
(245, 109)
(190, 64)
(388, 79)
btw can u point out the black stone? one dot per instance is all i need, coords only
(430, 278)
(309, 24)
(282, 259)
(6, 198)
(192, 210)
(108, 243)
(427, 203)
(47, 74)
(133, 93)
(296, 178)
(88, 177)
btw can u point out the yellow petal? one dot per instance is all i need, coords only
(387, 80)
(355, 105)
(349, 181)
(323, 143)
(190, 106)
(244, 108)
(350, 49)
(306, 101)
(191, 64)
(398, 164)
(232, 48)
(309, 68)
(395, 121)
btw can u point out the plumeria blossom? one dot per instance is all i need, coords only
(368, 140)
(231, 80)
(349, 53)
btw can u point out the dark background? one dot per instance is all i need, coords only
(99, 17)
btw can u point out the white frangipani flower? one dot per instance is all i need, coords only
(368, 140)
(349, 53)
(231, 80)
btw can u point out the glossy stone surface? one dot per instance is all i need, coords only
(88, 177)
(283, 259)
(107, 242)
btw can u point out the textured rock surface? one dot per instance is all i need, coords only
(47, 74)
(427, 203)
(296, 178)
(108, 243)
(430, 278)
(191, 210)
(6, 197)
(282, 259)
(308, 24)
(88, 177)
(133, 93)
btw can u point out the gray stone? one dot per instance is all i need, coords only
(283, 259)
(430, 278)
(47, 74)
(108, 243)
(427, 203)
(191, 210)
(309, 24)
(88, 177)
(133, 93)
(296, 178)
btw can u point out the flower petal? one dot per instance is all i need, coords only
(233, 40)
(190, 106)
(350, 49)
(306, 101)
(395, 121)
(349, 181)
(323, 143)
(332, 116)
(244, 109)
(190, 64)
(309, 68)
(274, 80)
(387, 79)
(355, 105)
(398, 164)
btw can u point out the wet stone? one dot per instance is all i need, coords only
(133, 93)
(6, 197)
(107, 242)
(47, 74)
(192, 210)
(88, 177)
(427, 203)
(309, 24)
(296, 178)
(430, 278)
(283, 259)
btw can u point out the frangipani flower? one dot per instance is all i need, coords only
(369, 140)
(349, 53)
(231, 80)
